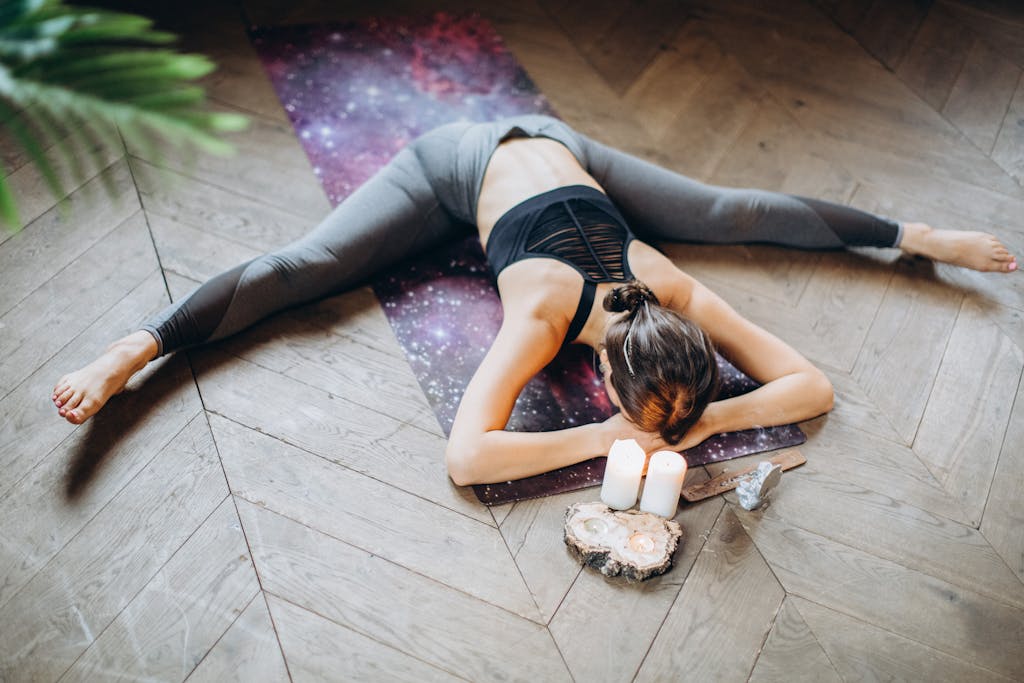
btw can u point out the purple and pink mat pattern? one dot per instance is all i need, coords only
(356, 93)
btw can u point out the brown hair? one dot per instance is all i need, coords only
(663, 364)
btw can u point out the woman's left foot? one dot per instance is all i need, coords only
(974, 250)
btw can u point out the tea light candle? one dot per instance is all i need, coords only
(622, 474)
(665, 474)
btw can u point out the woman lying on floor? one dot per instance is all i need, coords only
(557, 213)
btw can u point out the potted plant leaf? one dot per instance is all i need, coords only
(77, 79)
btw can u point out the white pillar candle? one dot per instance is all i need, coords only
(622, 474)
(665, 474)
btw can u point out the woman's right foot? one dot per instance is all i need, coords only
(80, 394)
(975, 250)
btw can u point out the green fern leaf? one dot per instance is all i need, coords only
(101, 76)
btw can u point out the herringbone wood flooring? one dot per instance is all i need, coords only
(276, 506)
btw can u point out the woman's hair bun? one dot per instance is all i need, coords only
(628, 297)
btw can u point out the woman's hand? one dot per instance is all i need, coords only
(697, 434)
(620, 428)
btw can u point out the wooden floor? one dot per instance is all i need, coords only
(277, 507)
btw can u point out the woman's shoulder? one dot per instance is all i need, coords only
(669, 283)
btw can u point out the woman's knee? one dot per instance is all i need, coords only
(293, 274)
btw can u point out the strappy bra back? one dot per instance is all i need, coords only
(577, 225)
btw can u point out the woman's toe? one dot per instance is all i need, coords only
(73, 401)
(63, 397)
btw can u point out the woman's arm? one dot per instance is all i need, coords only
(479, 450)
(793, 389)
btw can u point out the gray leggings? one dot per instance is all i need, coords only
(426, 196)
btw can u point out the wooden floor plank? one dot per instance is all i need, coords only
(691, 57)
(792, 653)
(981, 94)
(443, 627)
(1003, 522)
(840, 298)
(172, 622)
(13, 154)
(775, 273)
(935, 57)
(732, 99)
(64, 607)
(904, 348)
(34, 197)
(622, 50)
(46, 246)
(1008, 151)
(860, 651)
(762, 154)
(588, 25)
(730, 597)
(275, 168)
(533, 532)
(848, 14)
(240, 80)
(599, 611)
(887, 29)
(832, 318)
(32, 427)
(318, 649)
(59, 496)
(812, 499)
(571, 84)
(997, 22)
(372, 516)
(214, 209)
(820, 176)
(356, 314)
(917, 606)
(855, 408)
(969, 408)
(247, 651)
(360, 439)
(338, 364)
(195, 253)
(852, 454)
(60, 309)
(850, 104)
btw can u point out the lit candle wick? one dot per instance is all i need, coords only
(641, 543)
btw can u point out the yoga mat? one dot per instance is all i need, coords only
(357, 93)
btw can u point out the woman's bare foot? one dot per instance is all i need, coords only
(80, 394)
(974, 250)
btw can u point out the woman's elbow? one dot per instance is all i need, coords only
(825, 396)
(461, 460)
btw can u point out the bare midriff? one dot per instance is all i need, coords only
(521, 168)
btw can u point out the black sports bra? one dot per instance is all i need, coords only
(577, 225)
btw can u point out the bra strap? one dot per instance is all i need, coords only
(582, 311)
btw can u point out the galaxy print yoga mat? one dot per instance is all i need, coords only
(356, 93)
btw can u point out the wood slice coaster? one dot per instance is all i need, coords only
(636, 545)
(728, 480)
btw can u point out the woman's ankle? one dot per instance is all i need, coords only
(915, 239)
(137, 349)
